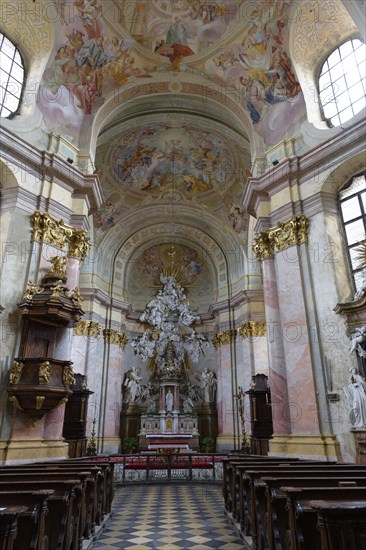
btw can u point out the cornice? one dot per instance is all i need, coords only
(45, 165)
(298, 169)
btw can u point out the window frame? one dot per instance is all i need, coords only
(17, 50)
(353, 219)
(319, 74)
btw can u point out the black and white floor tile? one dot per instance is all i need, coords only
(168, 517)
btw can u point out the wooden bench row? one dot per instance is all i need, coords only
(64, 502)
(276, 503)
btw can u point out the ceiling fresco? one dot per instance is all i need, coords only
(186, 157)
(243, 46)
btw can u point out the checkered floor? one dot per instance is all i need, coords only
(168, 517)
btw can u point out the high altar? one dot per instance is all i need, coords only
(169, 412)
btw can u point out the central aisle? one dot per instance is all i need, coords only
(168, 517)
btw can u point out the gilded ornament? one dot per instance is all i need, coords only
(57, 289)
(58, 270)
(49, 230)
(39, 402)
(262, 246)
(252, 329)
(289, 233)
(87, 328)
(68, 376)
(224, 338)
(114, 337)
(79, 244)
(15, 372)
(13, 399)
(62, 401)
(31, 290)
(44, 372)
(76, 297)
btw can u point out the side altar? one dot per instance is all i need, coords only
(165, 413)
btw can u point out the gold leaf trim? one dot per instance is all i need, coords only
(87, 328)
(224, 338)
(252, 329)
(285, 234)
(114, 337)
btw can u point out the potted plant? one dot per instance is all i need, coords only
(130, 445)
(208, 445)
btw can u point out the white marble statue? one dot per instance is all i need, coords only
(208, 385)
(132, 385)
(169, 401)
(355, 393)
(188, 404)
(358, 338)
(362, 290)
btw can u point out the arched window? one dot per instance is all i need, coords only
(11, 77)
(342, 82)
(352, 200)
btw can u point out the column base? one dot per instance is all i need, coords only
(32, 450)
(110, 445)
(226, 443)
(308, 447)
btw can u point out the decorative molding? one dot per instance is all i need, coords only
(252, 329)
(114, 337)
(285, 234)
(224, 338)
(87, 328)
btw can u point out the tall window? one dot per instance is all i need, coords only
(353, 209)
(11, 77)
(342, 82)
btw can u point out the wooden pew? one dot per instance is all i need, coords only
(30, 521)
(342, 524)
(270, 502)
(84, 506)
(249, 517)
(9, 525)
(62, 522)
(304, 534)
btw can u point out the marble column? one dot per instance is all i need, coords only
(225, 392)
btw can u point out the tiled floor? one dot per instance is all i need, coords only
(168, 517)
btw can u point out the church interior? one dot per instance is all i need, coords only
(183, 221)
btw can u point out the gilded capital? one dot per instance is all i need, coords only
(224, 338)
(87, 328)
(252, 329)
(48, 230)
(263, 246)
(285, 234)
(114, 337)
(79, 244)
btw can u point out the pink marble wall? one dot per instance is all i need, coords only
(302, 404)
(73, 272)
(22, 427)
(224, 391)
(54, 423)
(276, 353)
(245, 371)
(113, 391)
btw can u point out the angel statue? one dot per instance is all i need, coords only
(132, 385)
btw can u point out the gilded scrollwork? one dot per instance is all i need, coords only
(262, 246)
(44, 372)
(79, 244)
(252, 329)
(76, 297)
(285, 234)
(68, 376)
(87, 328)
(57, 289)
(13, 399)
(224, 338)
(48, 230)
(39, 402)
(57, 233)
(31, 290)
(58, 269)
(15, 372)
(114, 337)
